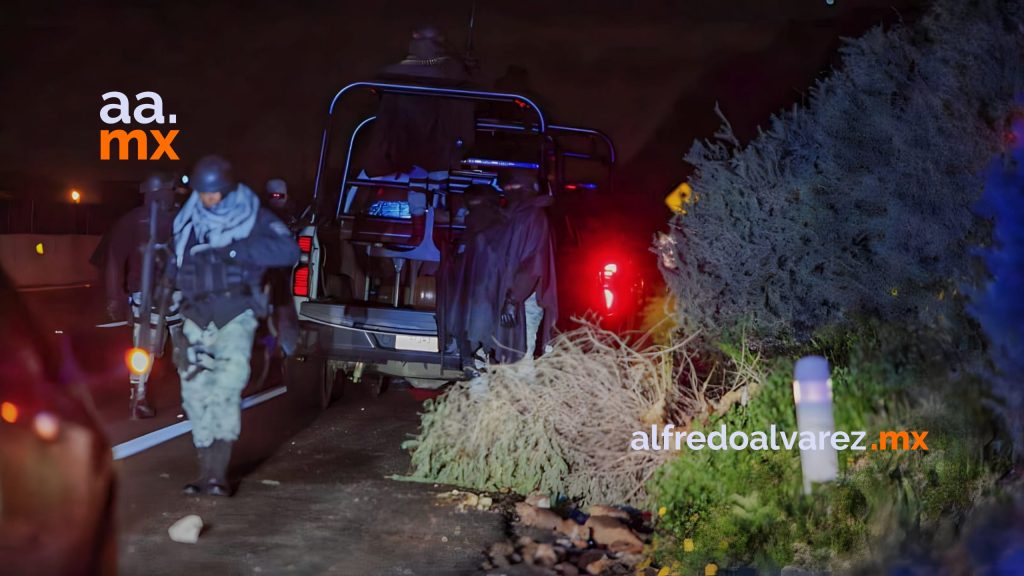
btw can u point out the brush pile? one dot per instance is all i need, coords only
(563, 423)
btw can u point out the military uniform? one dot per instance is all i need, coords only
(285, 319)
(222, 253)
(123, 263)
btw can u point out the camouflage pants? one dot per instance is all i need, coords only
(211, 387)
(172, 320)
(534, 316)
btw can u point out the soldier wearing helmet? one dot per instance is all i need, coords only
(224, 243)
(284, 320)
(123, 269)
(280, 202)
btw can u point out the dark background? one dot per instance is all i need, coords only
(252, 80)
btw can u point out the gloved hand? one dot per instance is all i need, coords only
(508, 313)
(199, 248)
(209, 252)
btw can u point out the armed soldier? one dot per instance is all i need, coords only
(224, 242)
(127, 243)
(280, 202)
(285, 320)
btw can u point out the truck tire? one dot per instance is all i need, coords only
(333, 385)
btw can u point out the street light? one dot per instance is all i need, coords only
(76, 196)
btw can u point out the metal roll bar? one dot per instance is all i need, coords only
(414, 90)
(588, 132)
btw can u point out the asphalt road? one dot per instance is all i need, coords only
(318, 502)
(312, 489)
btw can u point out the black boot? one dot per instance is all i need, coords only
(196, 486)
(138, 405)
(216, 483)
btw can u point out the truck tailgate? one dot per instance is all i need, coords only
(372, 318)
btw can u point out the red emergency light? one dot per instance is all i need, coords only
(607, 273)
(300, 281)
(305, 244)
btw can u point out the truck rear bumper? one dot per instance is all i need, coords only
(390, 341)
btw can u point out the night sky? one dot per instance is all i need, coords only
(252, 80)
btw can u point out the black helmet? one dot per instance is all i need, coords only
(156, 182)
(277, 187)
(212, 174)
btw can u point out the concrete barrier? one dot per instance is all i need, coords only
(64, 260)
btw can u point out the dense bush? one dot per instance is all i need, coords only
(858, 202)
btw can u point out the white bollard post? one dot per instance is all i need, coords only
(812, 394)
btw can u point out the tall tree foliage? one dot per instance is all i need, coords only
(859, 201)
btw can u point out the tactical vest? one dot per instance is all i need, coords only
(208, 276)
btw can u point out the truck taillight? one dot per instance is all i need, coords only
(305, 244)
(300, 281)
(607, 280)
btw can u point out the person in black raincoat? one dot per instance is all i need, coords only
(472, 311)
(417, 131)
(527, 286)
(419, 138)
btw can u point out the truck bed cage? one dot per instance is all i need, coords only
(522, 102)
(540, 127)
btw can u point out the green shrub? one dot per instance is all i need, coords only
(747, 507)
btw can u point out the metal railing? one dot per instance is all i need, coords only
(410, 90)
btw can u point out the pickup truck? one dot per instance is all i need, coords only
(369, 289)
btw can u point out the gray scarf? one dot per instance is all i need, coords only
(232, 219)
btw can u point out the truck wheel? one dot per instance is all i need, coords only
(327, 385)
(341, 382)
(333, 386)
